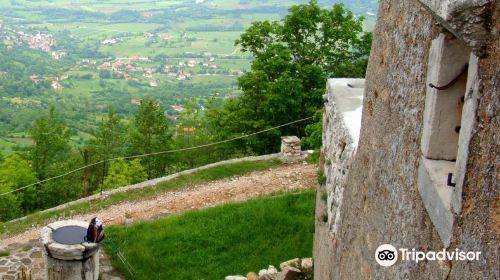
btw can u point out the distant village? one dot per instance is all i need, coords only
(135, 68)
(38, 41)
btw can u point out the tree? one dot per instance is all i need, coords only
(51, 156)
(64, 189)
(122, 173)
(151, 134)
(293, 59)
(51, 142)
(9, 204)
(109, 141)
(16, 172)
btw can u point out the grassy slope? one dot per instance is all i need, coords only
(216, 242)
(211, 174)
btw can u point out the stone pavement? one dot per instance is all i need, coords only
(27, 259)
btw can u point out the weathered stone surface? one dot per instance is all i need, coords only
(306, 265)
(235, 277)
(295, 263)
(288, 273)
(381, 201)
(13, 264)
(342, 119)
(14, 246)
(467, 19)
(268, 274)
(111, 278)
(479, 218)
(271, 269)
(290, 149)
(106, 268)
(72, 262)
(252, 276)
(36, 254)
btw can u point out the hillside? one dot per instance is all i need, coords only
(197, 191)
(85, 57)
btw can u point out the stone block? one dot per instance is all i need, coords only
(36, 254)
(436, 195)
(252, 276)
(466, 19)
(306, 264)
(268, 274)
(295, 263)
(289, 273)
(235, 277)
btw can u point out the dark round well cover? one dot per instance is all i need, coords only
(69, 235)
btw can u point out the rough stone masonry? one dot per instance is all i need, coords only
(290, 148)
(372, 194)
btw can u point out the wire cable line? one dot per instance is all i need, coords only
(154, 154)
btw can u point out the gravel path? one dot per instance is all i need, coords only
(283, 178)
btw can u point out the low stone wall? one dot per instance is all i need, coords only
(154, 182)
(294, 269)
(342, 120)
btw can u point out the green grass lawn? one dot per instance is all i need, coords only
(216, 242)
(183, 181)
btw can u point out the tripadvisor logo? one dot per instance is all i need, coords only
(386, 255)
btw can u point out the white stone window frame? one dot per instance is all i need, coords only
(439, 156)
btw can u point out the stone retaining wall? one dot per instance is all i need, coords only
(154, 182)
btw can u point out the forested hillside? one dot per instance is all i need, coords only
(80, 85)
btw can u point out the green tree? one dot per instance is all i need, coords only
(293, 59)
(151, 134)
(64, 189)
(10, 207)
(122, 173)
(51, 142)
(110, 137)
(52, 156)
(16, 172)
(109, 141)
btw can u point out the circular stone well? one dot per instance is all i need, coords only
(67, 255)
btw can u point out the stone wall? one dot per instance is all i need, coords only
(154, 182)
(342, 120)
(380, 199)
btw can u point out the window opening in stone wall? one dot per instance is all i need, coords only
(444, 143)
(445, 98)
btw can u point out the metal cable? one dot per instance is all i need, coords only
(154, 154)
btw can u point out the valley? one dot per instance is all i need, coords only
(85, 57)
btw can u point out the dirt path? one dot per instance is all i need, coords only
(240, 188)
